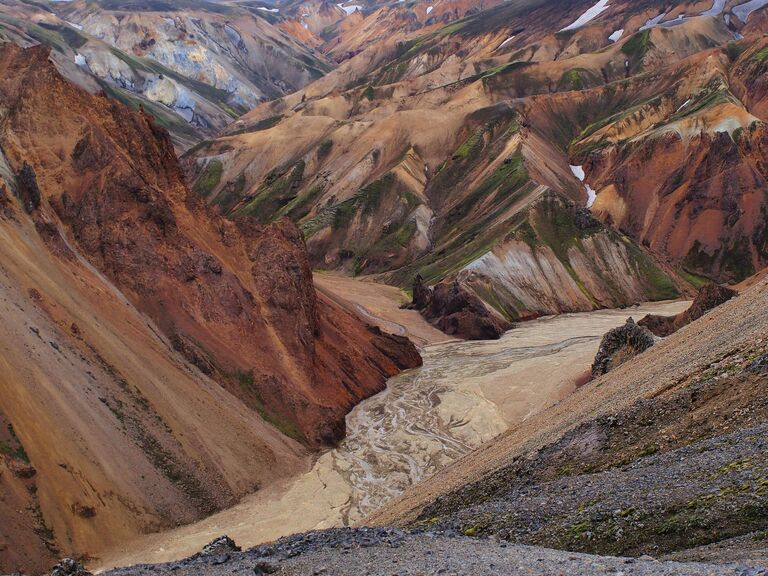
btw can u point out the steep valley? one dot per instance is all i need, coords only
(424, 420)
(383, 287)
(663, 456)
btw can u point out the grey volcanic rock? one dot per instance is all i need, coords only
(220, 545)
(759, 365)
(619, 345)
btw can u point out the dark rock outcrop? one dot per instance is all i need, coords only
(422, 294)
(221, 545)
(619, 345)
(759, 365)
(69, 567)
(457, 311)
(29, 191)
(710, 296)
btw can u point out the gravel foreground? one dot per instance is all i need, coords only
(393, 552)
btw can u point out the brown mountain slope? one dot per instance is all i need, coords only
(683, 172)
(112, 274)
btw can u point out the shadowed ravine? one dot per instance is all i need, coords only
(465, 394)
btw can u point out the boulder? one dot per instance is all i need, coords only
(220, 545)
(69, 567)
(619, 345)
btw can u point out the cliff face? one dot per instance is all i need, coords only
(169, 350)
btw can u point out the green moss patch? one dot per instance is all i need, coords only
(210, 178)
(571, 80)
(277, 191)
(340, 215)
(638, 45)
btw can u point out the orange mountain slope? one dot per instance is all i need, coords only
(169, 352)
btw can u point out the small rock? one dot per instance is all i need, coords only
(646, 558)
(759, 366)
(220, 546)
(69, 567)
(264, 567)
(221, 559)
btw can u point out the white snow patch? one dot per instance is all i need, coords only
(616, 35)
(80, 60)
(591, 196)
(716, 10)
(505, 42)
(429, 9)
(743, 11)
(265, 9)
(589, 15)
(653, 21)
(578, 171)
(684, 104)
(75, 26)
(351, 9)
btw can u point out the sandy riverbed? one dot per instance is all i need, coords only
(465, 394)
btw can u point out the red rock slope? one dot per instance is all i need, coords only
(142, 334)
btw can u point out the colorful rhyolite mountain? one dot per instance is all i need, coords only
(529, 151)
